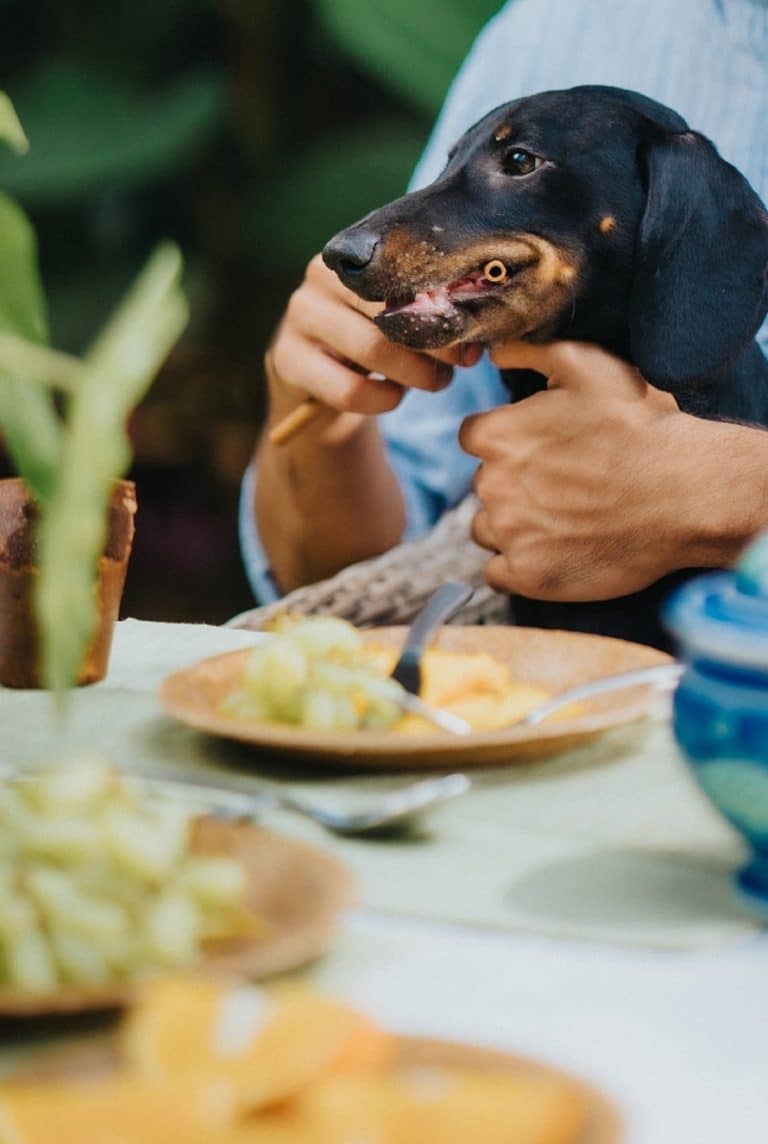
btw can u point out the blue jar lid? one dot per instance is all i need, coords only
(721, 616)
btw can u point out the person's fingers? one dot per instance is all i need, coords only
(482, 533)
(471, 434)
(497, 574)
(320, 277)
(354, 337)
(333, 381)
(573, 365)
(492, 433)
(464, 354)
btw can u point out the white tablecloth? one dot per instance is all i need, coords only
(676, 1037)
(677, 1040)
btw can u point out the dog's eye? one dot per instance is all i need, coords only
(520, 162)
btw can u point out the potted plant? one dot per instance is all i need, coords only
(66, 524)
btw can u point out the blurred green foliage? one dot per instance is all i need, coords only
(248, 131)
(415, 47)
(70, 462)
(94, 135)
(256, 127)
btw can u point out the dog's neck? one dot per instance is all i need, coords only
(738, 392)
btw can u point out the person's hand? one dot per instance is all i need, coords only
(328, 347)
(586, 489)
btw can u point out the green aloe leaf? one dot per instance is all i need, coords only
(335, 182)
(92, 133)
(22, 302)
(11, 131)
(413, 47)
(117, 371)
(28, 418)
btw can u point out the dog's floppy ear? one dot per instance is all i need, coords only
(700, 289)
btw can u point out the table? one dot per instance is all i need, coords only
(674, 1034)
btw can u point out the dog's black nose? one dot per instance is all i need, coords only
(350, 251)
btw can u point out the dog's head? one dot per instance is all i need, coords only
(592, 213)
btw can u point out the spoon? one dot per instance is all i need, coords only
(664, 676)
(395, 810)
(229, 798)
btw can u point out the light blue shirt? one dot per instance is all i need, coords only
(707, 59)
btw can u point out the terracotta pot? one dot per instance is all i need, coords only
(19, 653)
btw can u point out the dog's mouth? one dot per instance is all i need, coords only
(443, 315)
(443, 301)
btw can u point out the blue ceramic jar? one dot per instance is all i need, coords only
(721, 705)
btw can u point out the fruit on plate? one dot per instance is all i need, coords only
(114, 1110)
(314, 673)
(99, 883)
(203, 1062)
(436, 1104)
(262, 1046)
(473, 685)
(321, 674)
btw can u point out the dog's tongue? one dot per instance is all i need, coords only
(438, 302)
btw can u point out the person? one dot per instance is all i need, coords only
(574, 483)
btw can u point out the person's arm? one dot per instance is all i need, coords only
(329, 496)
(344, 490)
(599, 485)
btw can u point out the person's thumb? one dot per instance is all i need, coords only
(573, 365)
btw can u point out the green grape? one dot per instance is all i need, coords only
(52, 891)
(78, 962)
(347, 714)
(17, 915)
(97, 881)
(319, 711)
(143, 845)
(254, 673)
(244, 704)
(286, 671)
(59, 838)
(76, 786)
(172, 930)
(98, 923)
(382, 714)
(30, 963)
(337, 678)
(213, 881)
(312, 672)
(326, 637)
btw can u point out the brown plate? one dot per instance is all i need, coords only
(549, 659)
(98, 1056)
(296, 893)
(602, 1121)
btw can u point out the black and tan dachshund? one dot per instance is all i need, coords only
(595, 214)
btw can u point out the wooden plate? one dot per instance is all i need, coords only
(97, 1056)
(296, 893)
(603, 1123)
(552, 660)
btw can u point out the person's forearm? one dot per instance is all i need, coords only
(598, 486)
(725, 502)
(326, 498)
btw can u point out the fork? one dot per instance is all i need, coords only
(443, 604)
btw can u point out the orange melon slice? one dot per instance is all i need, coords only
(430, 1105)
(114, 1111)
(266, 1046)
(473, 685)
